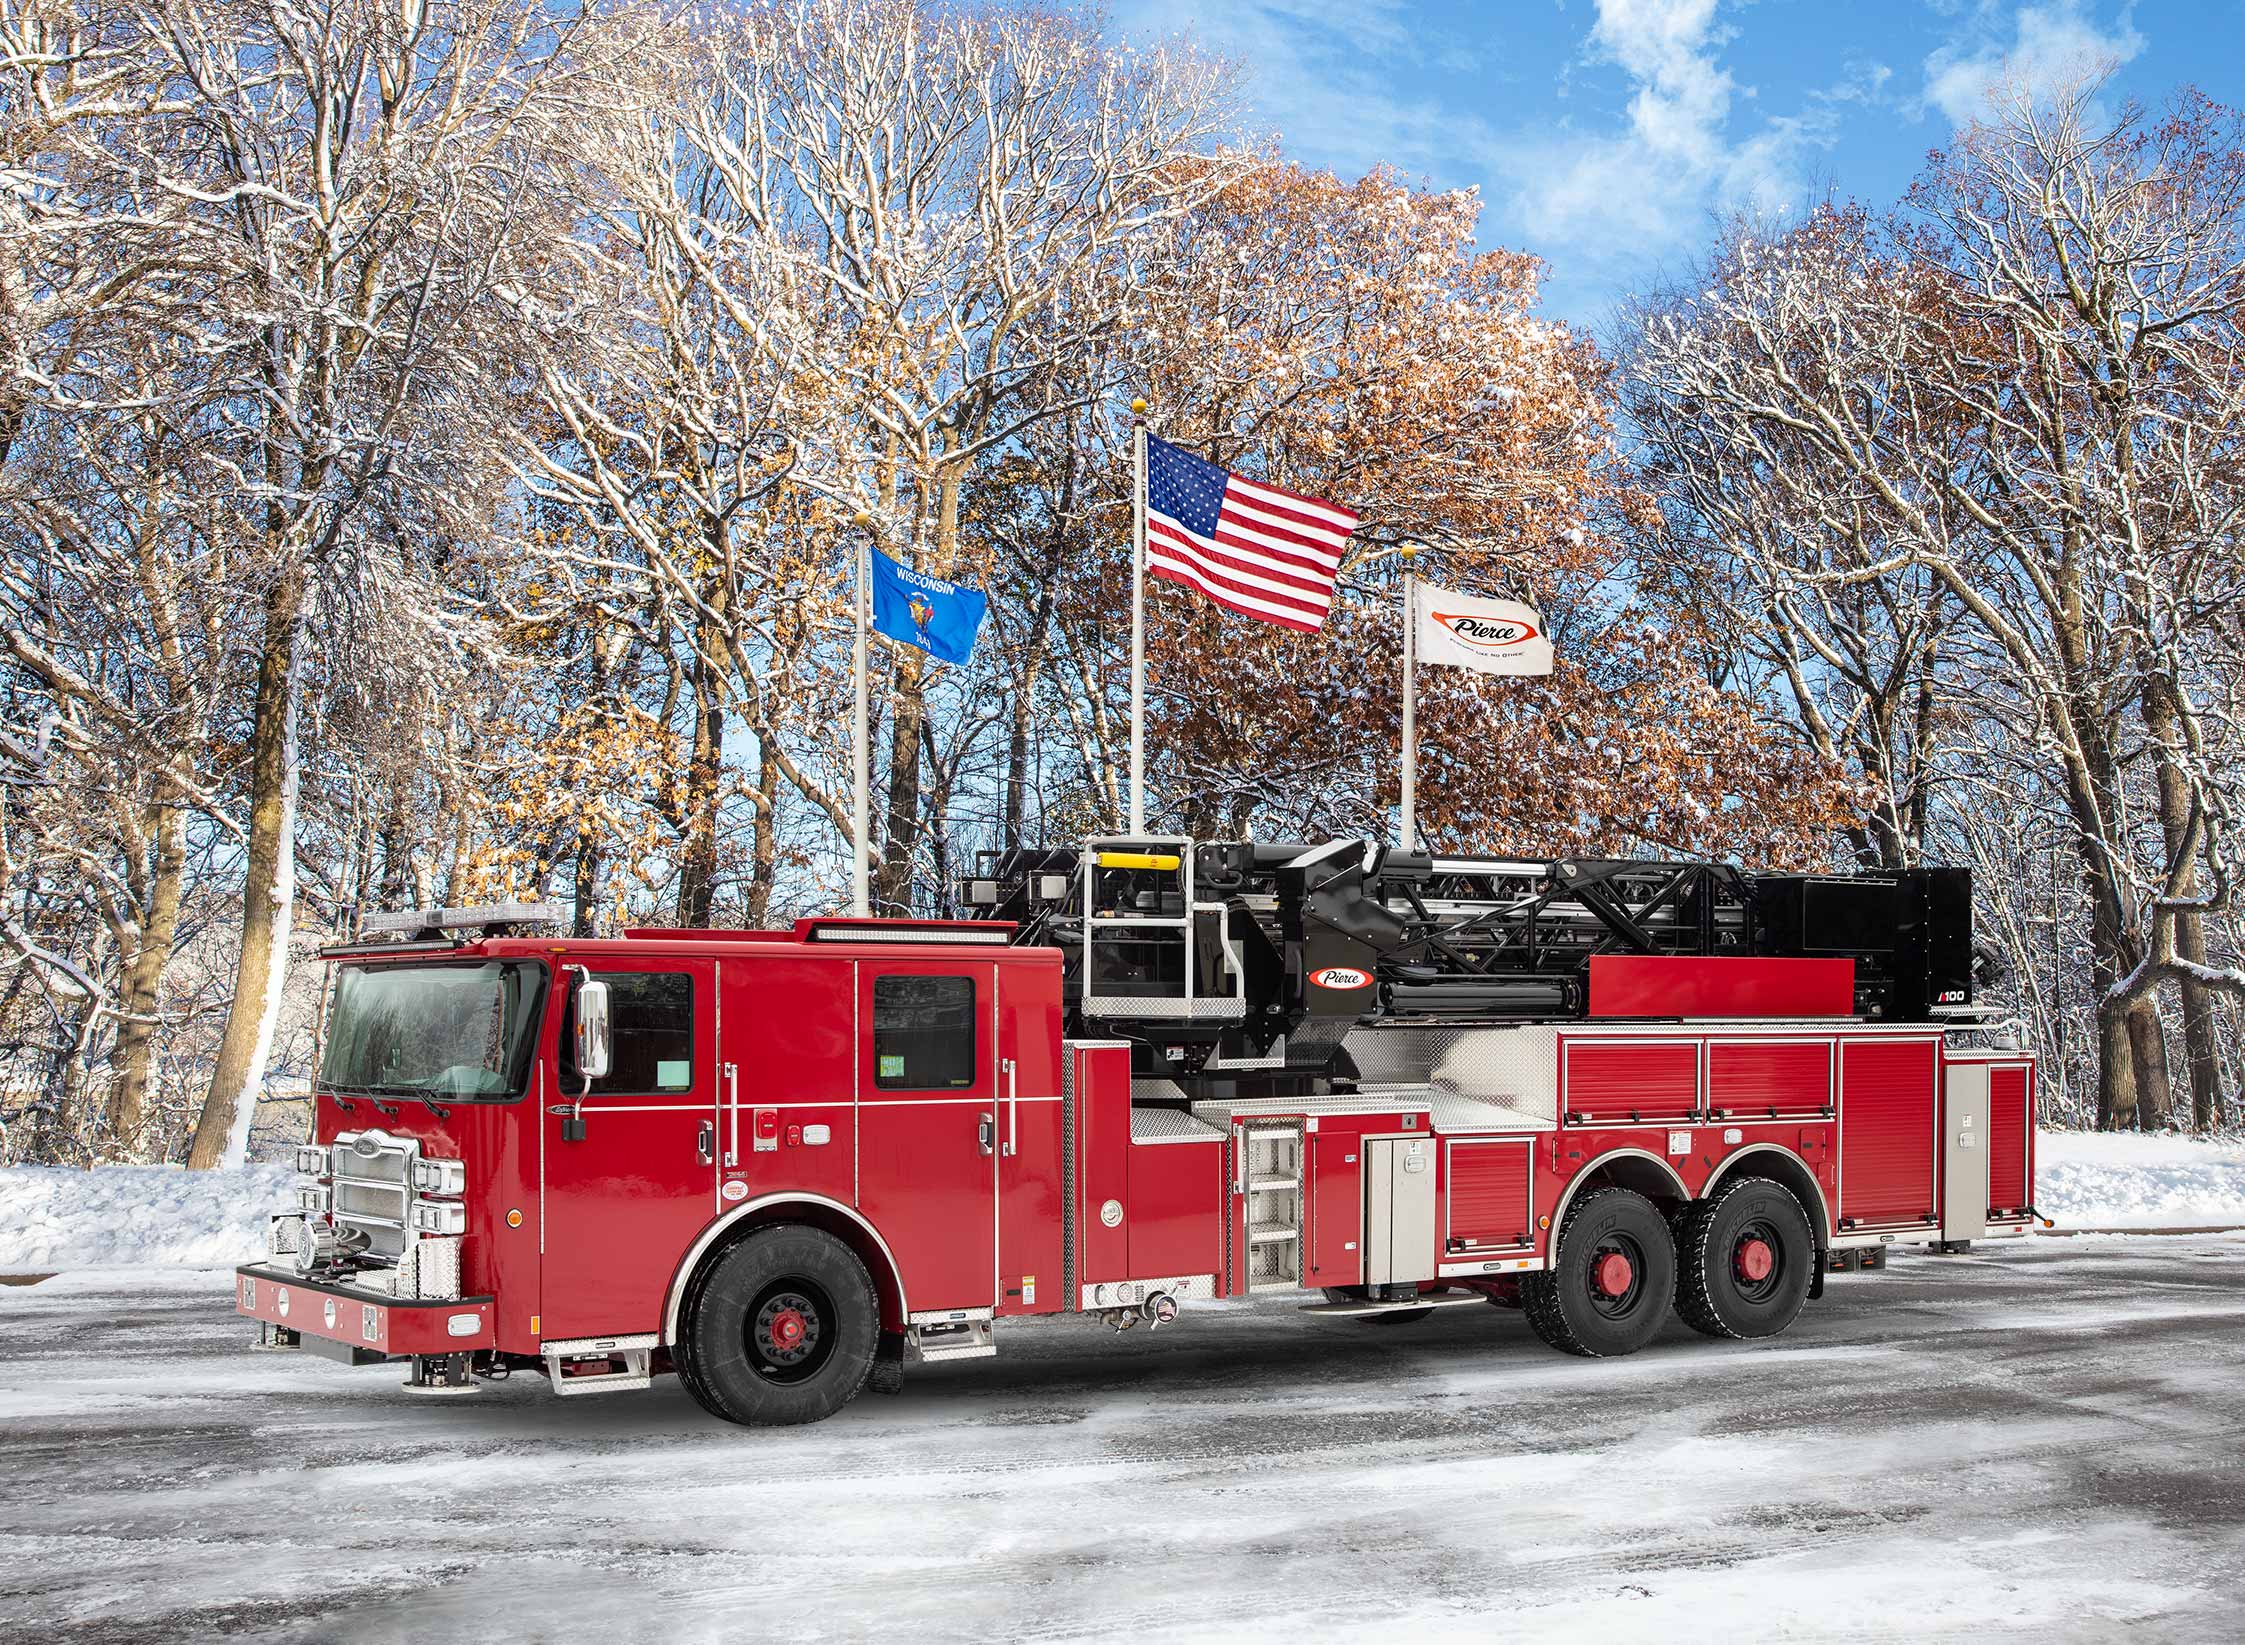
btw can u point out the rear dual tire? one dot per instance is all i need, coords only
(1612, 1277)
(1745, 1257)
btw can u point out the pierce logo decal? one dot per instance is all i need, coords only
(1341, 977)
(1487, 634)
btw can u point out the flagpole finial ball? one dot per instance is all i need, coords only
(1410, 551)
(861, 519)
(1138, 408)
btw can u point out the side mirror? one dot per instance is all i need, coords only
(594, 1053)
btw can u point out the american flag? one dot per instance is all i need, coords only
(1250, 547)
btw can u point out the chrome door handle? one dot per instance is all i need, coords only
(732, 1114)
(706, 1144)
(986, 1132)
(1011, 1070)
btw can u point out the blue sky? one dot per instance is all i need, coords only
(1604, 135)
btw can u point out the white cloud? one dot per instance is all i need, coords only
(1617, 196)
(1328, 75)
(2049, 45)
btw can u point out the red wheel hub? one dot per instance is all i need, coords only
(1755, 1260)
(787, 1329)
(1613, 1274)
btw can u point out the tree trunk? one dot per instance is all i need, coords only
(705, 767)
(134, 1056)
(2116, 1078)
(268, 890)
(2147, 1045)
(764, 842)
(2201, 1046)
(587, 883)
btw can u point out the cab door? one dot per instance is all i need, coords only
(628, 1168)
(928, 1124)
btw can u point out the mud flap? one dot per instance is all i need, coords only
(887, 1375)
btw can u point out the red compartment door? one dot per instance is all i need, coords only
(1620, 1082)
(1763, 1079)
(1491, 1188)
(1888, 1116)
(2010, 1141)
(1336, 1231)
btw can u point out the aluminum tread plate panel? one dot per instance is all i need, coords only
(1159, 1125)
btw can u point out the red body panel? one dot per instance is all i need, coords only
(1335, 1168)
(1603, 1080)
(1889, 1115)
(1176, 1216)
(1102, 1083)
(1672, 985)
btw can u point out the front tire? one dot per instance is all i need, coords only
(783, 1330)
(1611, 1280)
(1747, 1257)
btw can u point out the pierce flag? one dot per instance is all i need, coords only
(939, 617)
(1493, 636)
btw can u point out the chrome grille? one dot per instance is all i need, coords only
(372, 1173)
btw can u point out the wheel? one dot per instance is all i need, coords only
(783, 1330)
(1745, 1259)
(1611, 1279)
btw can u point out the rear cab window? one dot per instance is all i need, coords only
(926, 1033)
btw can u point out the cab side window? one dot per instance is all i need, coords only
(925, 1033)
(651, 1018)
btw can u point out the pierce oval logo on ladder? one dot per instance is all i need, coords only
(1487, 633)
(1341, 977)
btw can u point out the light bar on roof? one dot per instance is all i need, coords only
(451, 919)
(994, 936)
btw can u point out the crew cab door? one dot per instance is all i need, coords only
(928, 1124)
(628, 1172)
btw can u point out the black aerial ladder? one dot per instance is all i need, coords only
(1253, 959)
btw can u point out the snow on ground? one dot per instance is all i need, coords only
(2034, 1442)
(127, 1216)
(2087, 1179)
(134, 1215)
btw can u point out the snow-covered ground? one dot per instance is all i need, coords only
(2129, 1180)
(119, 1216)
(122, 1216)
(2035, 1442)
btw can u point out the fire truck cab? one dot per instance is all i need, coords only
(786, 1164)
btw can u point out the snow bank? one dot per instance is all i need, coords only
(2088, 1179)
(129, 1216)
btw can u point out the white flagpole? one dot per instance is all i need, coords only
(1410, 699)
(861, 781)
(1138, 617)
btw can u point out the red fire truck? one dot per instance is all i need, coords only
(1141, 1073)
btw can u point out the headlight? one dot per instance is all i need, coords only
(431, 1218)
(312, 1161)
(314, 1200)
(440, 1176)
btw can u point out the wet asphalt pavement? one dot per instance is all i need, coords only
(2038, 1441)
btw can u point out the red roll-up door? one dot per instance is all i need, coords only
(2007, 1140)
(1887, 1131)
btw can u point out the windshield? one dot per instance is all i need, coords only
(461, 1031)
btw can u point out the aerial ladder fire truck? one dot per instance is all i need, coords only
(1140, 1073)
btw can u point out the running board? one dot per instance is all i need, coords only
(965, 1339)
(1358, 1310)
(598, 1365)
